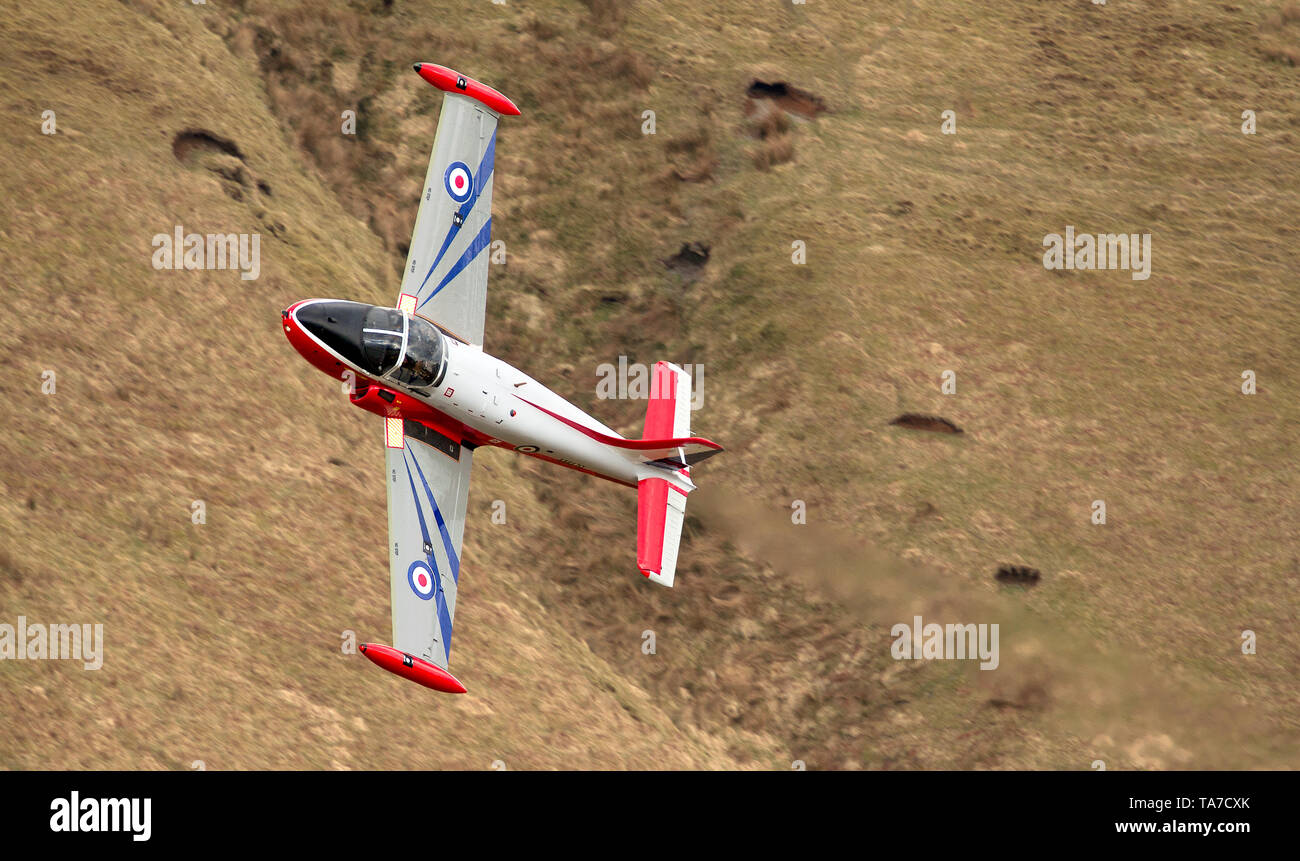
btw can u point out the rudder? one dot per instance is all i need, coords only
(668, 414)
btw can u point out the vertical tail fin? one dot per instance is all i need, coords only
(661, 504)
(668, 415)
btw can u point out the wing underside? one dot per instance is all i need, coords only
(428, 489)
(446, 268)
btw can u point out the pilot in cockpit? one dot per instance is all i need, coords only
(403, 348)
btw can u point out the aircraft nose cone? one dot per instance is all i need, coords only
(337, 325)
(314, 317)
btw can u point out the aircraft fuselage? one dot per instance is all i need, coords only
(399, 370)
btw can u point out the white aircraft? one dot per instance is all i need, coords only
(422, 367)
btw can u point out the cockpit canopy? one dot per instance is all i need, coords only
(383, 342)
(419, 365)
(425, 362)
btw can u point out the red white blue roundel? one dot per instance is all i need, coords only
(420, 576)
(459, 181)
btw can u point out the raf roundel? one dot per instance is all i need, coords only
(420, 576)
(459, 181)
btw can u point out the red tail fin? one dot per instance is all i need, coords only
(661, 505)
(661, 411)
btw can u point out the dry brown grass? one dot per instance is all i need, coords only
(774, 150)
(923, 256)
(1279, 35)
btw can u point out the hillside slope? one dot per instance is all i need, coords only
(923, 256)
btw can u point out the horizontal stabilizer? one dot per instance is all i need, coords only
(668, 422)
(661, 509)
(673, 453)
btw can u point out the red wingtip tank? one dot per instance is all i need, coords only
(410, 667)
(451, 81)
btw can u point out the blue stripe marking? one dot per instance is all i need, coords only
(481, 176)
(475, 248)
(442, 525)
(444, 617)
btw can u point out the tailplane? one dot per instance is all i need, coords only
(661, 509)
(661, 495)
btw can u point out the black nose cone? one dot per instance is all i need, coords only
(337, 324)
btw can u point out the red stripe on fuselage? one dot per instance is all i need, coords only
(620, 442)
(558, 462)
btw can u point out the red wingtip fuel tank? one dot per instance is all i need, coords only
(451, 81)
(410, 667)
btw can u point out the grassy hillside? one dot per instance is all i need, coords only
(923, 255)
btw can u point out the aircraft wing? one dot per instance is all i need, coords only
(428, 488)
(445, 279)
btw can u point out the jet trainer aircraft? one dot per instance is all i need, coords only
(421, 366)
